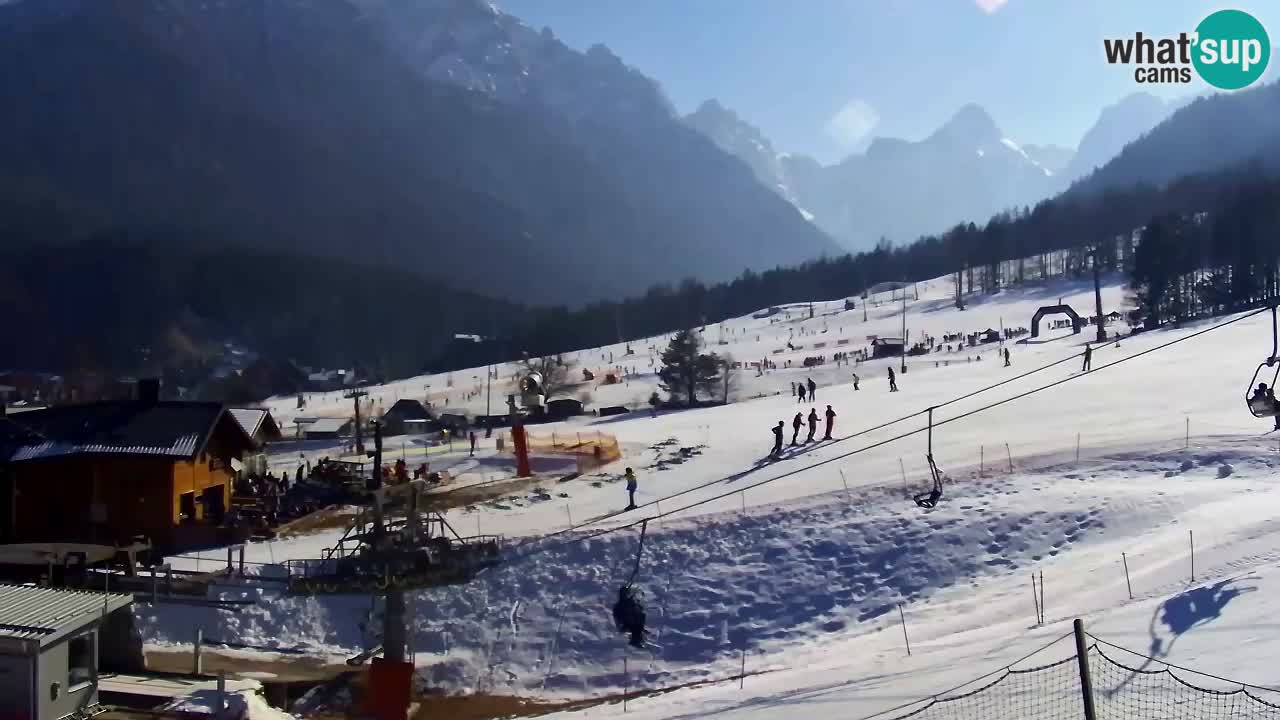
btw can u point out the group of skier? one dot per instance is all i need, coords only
(801, 390)
(796, 424)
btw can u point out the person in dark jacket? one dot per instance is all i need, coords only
(796, 422)
(831, 418)
(777, 439)
(1006, 357)
(813, 425)
(893, 381)
(855, 381)
(1088, 359)
(813, 387)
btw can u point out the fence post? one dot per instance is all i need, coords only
(1077, 447)
(1188, 431)
(1035, 596)
(903, 618)
(1128, 584)
(197, 660)
(242, 559)
(1042, 597)
(981, 459)
(221, 696)
(742, 674)
(1009, 455)
(1191, 534)
(903, 469)
(626, 683)
(847, 495)
(1086, 682)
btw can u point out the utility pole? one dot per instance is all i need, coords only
(355, 394)
(904, 329)
(1097, 295)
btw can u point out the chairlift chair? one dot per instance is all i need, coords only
(928, 500)
(1263, 405)
(628, 611)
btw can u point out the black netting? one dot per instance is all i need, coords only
(1148, 690)
(1126, 686)
(1046, 692)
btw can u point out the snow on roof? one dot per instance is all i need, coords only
(328, 424)
(249, 418)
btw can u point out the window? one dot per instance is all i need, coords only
(187, 508)
(81, 660)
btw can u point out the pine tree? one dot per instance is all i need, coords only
(686, 369)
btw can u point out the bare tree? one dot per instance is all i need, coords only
(728, 378)
(554, 371)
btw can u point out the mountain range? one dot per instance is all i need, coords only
(967, 170)
(438, 136)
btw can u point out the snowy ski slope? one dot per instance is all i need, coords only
(780, 559)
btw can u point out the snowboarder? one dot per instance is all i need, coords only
(630, 475)
(1088, 359)
(831, 418)
(777, 439)
(855, 381)
(813, 425)
(796, 422)
(893, 381)
(813, 387)
(1006, 357)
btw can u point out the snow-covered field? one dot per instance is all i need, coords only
(803, 563)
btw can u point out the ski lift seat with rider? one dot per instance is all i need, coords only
(929, 499)
(1260, 397)
(628, 611)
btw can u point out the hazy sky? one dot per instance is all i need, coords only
(824, 76)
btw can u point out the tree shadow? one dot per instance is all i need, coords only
(1180, 614)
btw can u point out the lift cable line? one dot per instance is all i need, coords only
(605, 531)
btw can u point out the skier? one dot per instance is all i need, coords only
(855, 381)
(1006, 357)
(893, 381)
(1088, 359)
(831, 418)
(630, 475)
(777, 440)
(813, 425)
(800, 392)
(812, 389)
(473, 443)
(796, 422)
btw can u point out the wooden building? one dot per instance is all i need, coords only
(405, 410)
(108, 472)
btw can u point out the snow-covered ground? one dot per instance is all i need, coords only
(803, 563)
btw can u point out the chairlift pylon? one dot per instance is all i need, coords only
(929, 500)
(1260, 398)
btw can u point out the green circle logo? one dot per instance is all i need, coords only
(1231, 49)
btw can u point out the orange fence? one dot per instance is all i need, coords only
(592, 448)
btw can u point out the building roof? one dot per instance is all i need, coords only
(255, 421)
(407, 409)
(45, 615)
(167, 429)
(332, 425)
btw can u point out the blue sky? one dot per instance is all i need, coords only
(823, 77)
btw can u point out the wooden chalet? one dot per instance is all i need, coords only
(111, 471)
